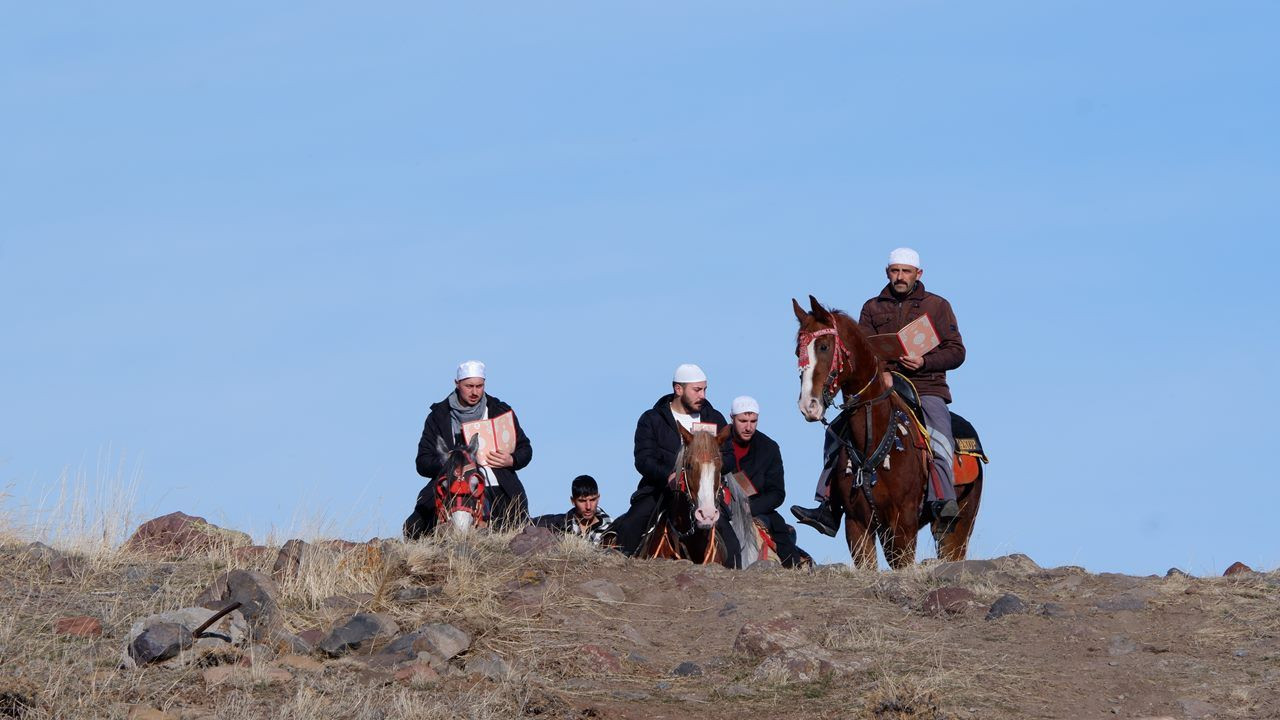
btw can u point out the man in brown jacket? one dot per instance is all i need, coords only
(902, 300)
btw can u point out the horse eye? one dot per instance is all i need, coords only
(822, 348)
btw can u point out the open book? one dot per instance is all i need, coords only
(497, 433)
(914, 340)
(744, 482)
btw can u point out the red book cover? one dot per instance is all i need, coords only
(914, 340)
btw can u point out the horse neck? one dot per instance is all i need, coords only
(864, 365)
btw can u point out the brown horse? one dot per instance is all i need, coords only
(686, 525)
(883, 460)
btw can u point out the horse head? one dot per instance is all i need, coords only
(699, 467)
(830, 349)
(460, 488)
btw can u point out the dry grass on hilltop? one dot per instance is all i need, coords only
(1085, 646)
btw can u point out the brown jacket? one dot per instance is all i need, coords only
(884, 313)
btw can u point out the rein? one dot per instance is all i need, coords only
(863, 468)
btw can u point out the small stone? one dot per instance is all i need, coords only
(684, 581)
(250, 554)
(1121, 602)
(760, 639)
(1176, 572)
(359, 632)
(601, 657)
(637, 658)
(728, 609)
(631, 695)
(1193, 708)
(1240, 653)
(488, 665)
(417, 594)
(764, 564)
(1008, 604)
(1237, 567)
(736, 690)
(687, 669)
(289, 560)
(312, 637)
(160, 642)
(603, 590)
(256, 594)
(66, 567)
(418, 673)
(79, 626)
(1054, 610)
(301, 663)
(1121, 645)
(951, 571)
(949, 600)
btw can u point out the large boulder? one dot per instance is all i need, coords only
(179, 534)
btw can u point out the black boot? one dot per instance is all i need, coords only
(820, 518)
(944, 514)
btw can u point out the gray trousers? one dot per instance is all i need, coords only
(937, 419)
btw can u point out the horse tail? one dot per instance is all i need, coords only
(743, 524)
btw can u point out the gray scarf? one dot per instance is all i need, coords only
(459, 413)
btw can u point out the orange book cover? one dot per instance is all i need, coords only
(914, 340)
(483, 428)
(498, 433)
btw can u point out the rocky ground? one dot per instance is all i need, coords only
(531, 625)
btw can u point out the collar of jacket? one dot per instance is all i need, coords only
(663, 406)
(440, 410)
(917, 294)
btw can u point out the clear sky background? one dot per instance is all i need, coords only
(243, 246)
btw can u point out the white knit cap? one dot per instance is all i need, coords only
(689, 373)
(470, 369)
(744, 403)
(905, 256)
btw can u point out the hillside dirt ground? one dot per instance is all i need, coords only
(1078, 645)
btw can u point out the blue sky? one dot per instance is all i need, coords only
(242, 248)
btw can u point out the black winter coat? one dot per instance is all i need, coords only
(658, 442)
(763, 467)
(439, 425)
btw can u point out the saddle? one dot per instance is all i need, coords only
(968, 448)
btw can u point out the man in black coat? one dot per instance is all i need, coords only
(657, 443)
(586, 518)
(759, 460)
(505, 496)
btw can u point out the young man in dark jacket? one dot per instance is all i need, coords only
(505, 496)
(657, 443)
(759, 461)
(901, 301)
(586, 518)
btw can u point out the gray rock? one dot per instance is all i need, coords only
(799, 665)
(687, 669)
(256, 594)
(1121, 602)
(443, 641)
(953, 570)
(603, 590)
(728, 609)
(1176, 572)
(159, 642)
(230, 629)
(1193, 708)
(662, 685)
(1018, 564)
(1121, 645)
(417, 594)
(1054, 610)
(637, 658)
(533, 540)
(488, 665)
(629, 695)
(1008, 604)
(761, 639)
(764, 564)
(735, 691)
(360, 632)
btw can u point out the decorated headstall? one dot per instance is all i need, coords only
(839, 357)
(462, 491)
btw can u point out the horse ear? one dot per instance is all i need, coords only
(820, 313)
(474, 445)
(686, 437)
(723, 434)
(441, 449)
(801, 315)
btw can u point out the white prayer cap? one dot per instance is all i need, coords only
(905, 256)
(689, 373)
(470, 369)
(744, 403)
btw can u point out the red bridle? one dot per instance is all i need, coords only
(839, 357)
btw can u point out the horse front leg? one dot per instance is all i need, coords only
(861, 541)
(898, 539)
